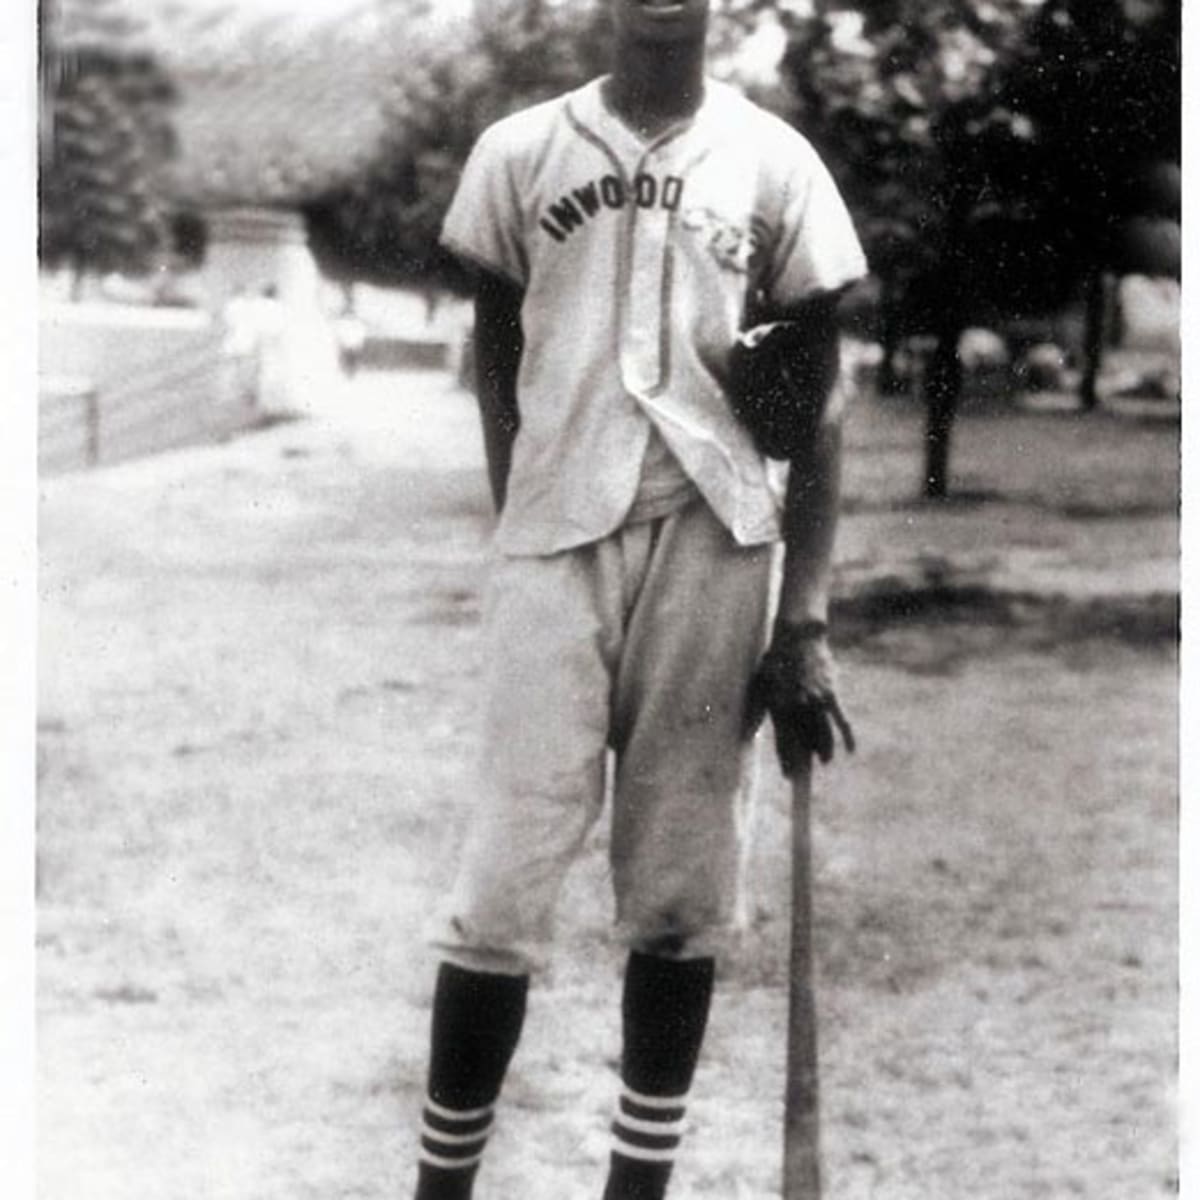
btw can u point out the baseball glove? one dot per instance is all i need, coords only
(765, 393)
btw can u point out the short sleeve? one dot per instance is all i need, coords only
(818, 249)
(483, 224)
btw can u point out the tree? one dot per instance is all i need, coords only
(955, 129)
(384, 224)
(893, 94)
(107, 136)
(1100, 81)
(874, 83)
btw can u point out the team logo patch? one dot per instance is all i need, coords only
(737, 248)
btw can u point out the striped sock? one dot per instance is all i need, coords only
(477, 1019)
(452, 1145)
(664, 1014)
(646, 1133)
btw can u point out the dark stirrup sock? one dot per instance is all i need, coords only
(664, 1014)
(477, 1019)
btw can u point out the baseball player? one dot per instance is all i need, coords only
(622, 235)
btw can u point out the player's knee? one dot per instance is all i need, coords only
(489, 960)
(665, 945)
(458, 941)
(673, 933)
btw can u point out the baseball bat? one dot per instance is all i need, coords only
(801, 1112)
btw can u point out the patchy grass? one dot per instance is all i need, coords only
(259, 682)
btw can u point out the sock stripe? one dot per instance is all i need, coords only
(444, 1126)
(653, 1128)
(458, 1115)
(645, 1141)
(453, 1139)
(453, 1150)
(639, 1112)
(648, 1128)
(657, 1103)
(429, 1158)
(640, 1154)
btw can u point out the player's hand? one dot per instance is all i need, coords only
(796, 683)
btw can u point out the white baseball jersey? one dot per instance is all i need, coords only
(636, 257)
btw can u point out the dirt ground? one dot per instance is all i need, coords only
(258, 675)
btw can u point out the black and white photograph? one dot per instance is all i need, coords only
(604, 601)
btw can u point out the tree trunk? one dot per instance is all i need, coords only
(944, 374)
(1096, 319)
(890, 382)
(943, 386)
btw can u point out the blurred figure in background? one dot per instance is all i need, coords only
(350, 331)
(253, 339)
(240, 345)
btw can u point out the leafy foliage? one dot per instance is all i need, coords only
(1100, 82)
(107, 136)
(894, 94)
(1004, 140)
(994, 153)
(384, 224)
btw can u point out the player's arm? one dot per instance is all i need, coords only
(813, 498)
(498, 345)
(795, 682)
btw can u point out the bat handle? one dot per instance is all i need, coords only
(801, 1123)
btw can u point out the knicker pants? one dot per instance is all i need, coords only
(641, 644)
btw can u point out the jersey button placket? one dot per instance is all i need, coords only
(645, 335)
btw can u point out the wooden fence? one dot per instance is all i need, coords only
(117, 386)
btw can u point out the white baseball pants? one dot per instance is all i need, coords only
(642, 644)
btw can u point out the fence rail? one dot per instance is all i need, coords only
(193, 394)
